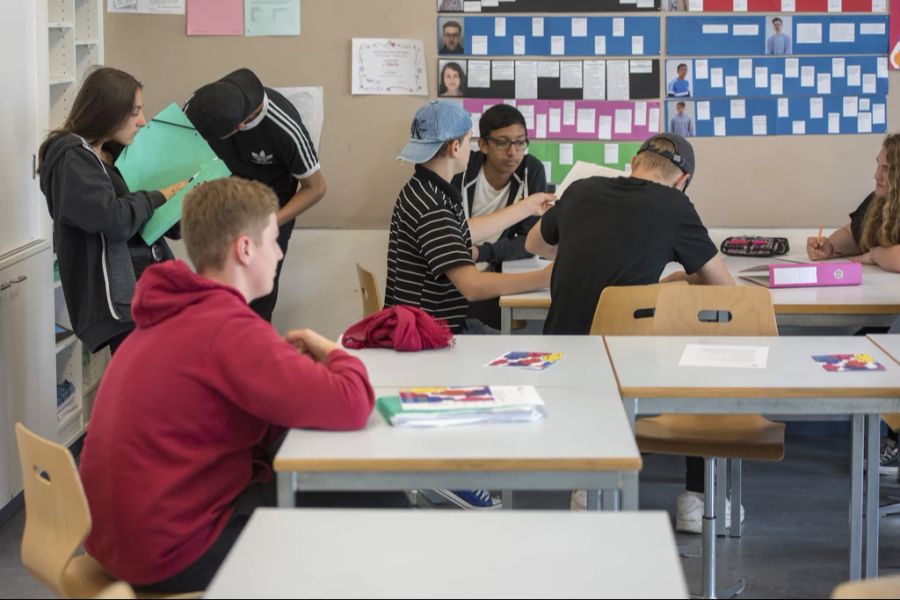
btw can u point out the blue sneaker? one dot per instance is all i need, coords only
(471, 499)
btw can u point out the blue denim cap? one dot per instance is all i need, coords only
(434, 125)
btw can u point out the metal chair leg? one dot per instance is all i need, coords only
(735, 527)
(721, 478)
(709, 538)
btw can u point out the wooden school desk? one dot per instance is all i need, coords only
(451, 554)
(652, 382)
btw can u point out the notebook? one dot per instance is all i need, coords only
(449, 406)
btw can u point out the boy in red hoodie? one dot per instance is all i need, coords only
(171, 464)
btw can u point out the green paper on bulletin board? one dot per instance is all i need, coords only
(590, 152)
(165, 151)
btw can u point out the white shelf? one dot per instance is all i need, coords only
(86, 42)
(61, 80)
(61, 25)
(65, 343)
(69, 413)
(73, 438)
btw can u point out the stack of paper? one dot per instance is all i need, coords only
(448, 406)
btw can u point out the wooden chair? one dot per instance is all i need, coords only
(368, 289)
(704, 311)
(880, 587)
(57, 520)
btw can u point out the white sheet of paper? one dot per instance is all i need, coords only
(548, 68)
(788, 5)
(745, 30)
(637, 45)
(599, 45)
(479, 73)
(838, 67)
(882, 67)
(716, 77)
(869, 83)
(807, 76)
(571, 75)
(604, 127)
(703, 111)
(586, 120)
(719, 126)
(653, 120)
(695, 5)
(791, 68)
(503, 70)
(745, 68)
(566, 154)
(624, 118)
(834, 122)
(715, 28)
(479, 45)
(738, 109)
(568, 113)
(739, 5)
(640, 114)
(557, 45)
(389, 66)
(701, 69)
(864, 122)
(729, 357)
(579, 26)
(878, 114)
(842, 33)
(518, 45)
(470, 6)
(760, 125)
(784, 108)
(594, 80)
(823, 83)
(554, 123)
(611, 154)
(871, 28)
(851, 106)
(798, 127)
(854, 75)
(500, 26)
(809, 33)
(526, 79)
(879, 6)
(835, 5)
(537, 27)
(864, 104)
(731, 86)
(816, 108)
(641, 66)
(776, 84)
(527, 111)
(762, 77)
(617, 84)
(618, 27)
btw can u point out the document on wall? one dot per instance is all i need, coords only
(271, 17)
(809, 33)
(777, 84)
(816, 108)
(215, 17)
(617, 80)
(389, 67)
(732, 357)
(157, 7)
(571, 75)
(526, 79)
(479, 73)
(594, 80)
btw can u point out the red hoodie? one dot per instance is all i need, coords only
(181, 407)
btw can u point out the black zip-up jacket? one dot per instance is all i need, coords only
(511, 244)
(95, 225)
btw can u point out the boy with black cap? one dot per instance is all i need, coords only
(260, 136)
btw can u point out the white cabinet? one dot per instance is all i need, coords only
(26, 354)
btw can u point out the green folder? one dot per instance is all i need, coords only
(167, 150)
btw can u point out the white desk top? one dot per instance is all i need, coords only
(585, 363)
(648, 367)
(584, 430)
(452, 554)
(890, 343)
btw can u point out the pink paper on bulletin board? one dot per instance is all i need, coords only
(608, 122)
(215, 17)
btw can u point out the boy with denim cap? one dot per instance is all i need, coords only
(429, 260)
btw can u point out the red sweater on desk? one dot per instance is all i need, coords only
(184, 403)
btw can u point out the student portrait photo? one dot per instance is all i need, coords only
(450, 5)
(675, 5)
(778, 40)
(678, 75)
(681, 118)
(451, 37)
(452, 79)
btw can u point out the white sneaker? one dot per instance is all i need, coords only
(689, 512)
(578, 501)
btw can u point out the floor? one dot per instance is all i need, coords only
(796, 535)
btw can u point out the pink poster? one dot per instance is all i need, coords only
(215, 17)
(581, 119)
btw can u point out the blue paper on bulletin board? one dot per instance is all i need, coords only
(166, 150)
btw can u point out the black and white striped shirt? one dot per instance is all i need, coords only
(429, 236)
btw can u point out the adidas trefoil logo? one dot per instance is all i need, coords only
(261, 158)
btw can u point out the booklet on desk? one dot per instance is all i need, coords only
(787, 275)
(448, 406)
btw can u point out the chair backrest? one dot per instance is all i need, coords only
(57, 517)
(627, 309)
(368, 288)
(714, 310)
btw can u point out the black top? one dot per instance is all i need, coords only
(277, 152)
(429, 236)
(620, 231)
(858, 218)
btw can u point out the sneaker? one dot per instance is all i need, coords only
(888, 457)
(471, 499)
(689, 512)
(578, 501)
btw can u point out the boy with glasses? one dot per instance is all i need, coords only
(503, 195)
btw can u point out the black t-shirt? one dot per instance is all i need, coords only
(858, 218)
(620, 231)
(277, 152)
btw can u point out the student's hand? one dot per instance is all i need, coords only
(173, 189)
(673, 277)
(865, 259)
(819, 248)
(309, 342)
(540, 203)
